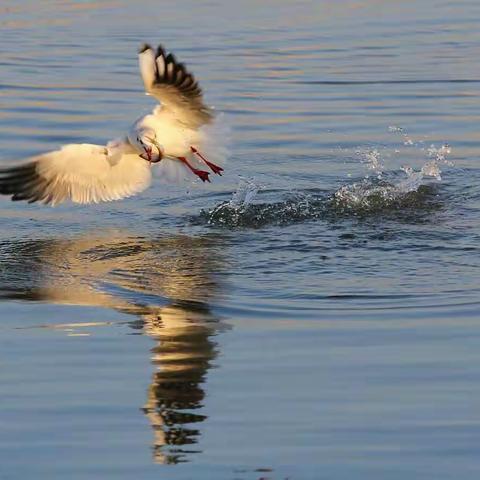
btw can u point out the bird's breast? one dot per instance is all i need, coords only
(174, 138)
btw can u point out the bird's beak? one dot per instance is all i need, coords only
(147, 155)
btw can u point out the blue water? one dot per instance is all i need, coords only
(313, 314)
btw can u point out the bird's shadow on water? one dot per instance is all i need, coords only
(167, 283)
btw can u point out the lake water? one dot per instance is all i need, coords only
(313, 314)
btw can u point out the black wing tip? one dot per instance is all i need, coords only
(22, 183)
(179, 77)
(144, 48)
(160, 51)
(171, 59)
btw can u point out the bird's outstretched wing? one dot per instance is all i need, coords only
(81, 173)
(173, 86)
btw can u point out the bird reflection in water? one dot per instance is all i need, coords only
(183, 356)
(167, 283)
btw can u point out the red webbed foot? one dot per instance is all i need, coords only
(214, 168)
(202, 174)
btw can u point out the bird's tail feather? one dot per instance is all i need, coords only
(215, 140)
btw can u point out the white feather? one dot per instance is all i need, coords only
(146, 61)
(87, 174)
(160, 65)
(170, 69)
(214, 140)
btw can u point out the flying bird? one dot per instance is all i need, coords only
(178, 136)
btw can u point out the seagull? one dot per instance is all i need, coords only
(176, 136)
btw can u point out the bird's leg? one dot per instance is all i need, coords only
(214, 168)
(199, 173)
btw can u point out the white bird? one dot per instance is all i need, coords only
(177, 136)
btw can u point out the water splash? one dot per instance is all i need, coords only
(385, 192)
(366, 198)
(373, 160)
(440, 155)
(244, 209)
(390, 191)
(431, 168)
(360, 199)
(246, 191)
(407, 141)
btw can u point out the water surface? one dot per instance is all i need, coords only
(312, 314)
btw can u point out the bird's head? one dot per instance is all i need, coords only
(149, 149)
